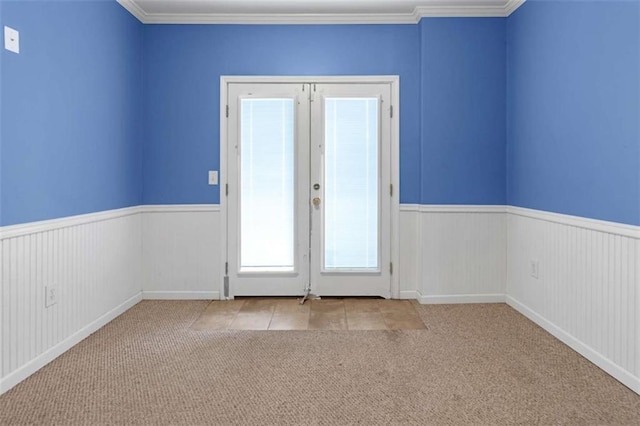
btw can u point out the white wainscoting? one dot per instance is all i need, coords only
(455, 254)
(409, 259)
(181, 252)
(587, 293)
(93, 260)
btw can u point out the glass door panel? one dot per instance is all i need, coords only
(351, 181)
(267, 175)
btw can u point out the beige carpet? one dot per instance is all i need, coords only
(475, 364)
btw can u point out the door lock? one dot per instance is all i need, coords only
(316, 201)
(316, 186)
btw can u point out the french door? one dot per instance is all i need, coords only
(309, 196)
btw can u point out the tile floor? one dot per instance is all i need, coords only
(269, 313)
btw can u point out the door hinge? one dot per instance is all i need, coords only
(226, 268)
(227, 111)
(391, 111)
(391, 268)
(311, 92)
(226, 189)
(391, 189)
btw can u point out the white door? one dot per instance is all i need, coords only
(308, 189)
(268, 178)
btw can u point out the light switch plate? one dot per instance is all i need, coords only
(213, 177)
(11, 39)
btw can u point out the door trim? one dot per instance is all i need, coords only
(393, 80)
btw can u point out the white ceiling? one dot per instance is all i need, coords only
(310, 11)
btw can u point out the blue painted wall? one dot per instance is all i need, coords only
(183, 68)
(574, 108)
(71, 110)
(84, 101)
(452, 142)
(107, 113)
(463, 111)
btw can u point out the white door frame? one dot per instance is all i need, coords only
(393, 80)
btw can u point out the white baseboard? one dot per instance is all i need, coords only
(460, 298)
(181, 295)
(409, 294)
(607, 365)
(45, 358)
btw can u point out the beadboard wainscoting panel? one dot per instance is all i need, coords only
(584, 287)
(409, 259)
(463, 254)
(181, 252)
(94, 263)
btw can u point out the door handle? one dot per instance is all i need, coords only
(316, 201)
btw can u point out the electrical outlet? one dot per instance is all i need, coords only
(534, 268)
(50, 296)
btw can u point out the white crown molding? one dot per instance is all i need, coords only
(466, 11)
(134, 9)
(271, 18)
(512, 6)
(427, 11)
